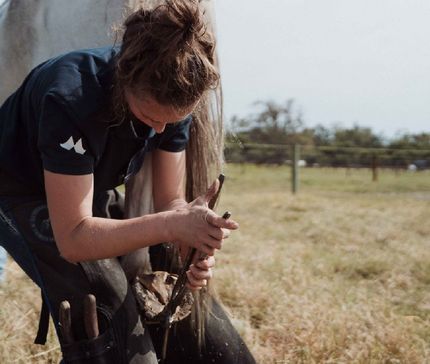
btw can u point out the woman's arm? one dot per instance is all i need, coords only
(80, 236)
(168, 177)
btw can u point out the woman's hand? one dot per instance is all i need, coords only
(200, 272)
(197, 226)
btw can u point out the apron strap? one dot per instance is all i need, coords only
(42, 331)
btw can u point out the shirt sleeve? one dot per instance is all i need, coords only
(175, 137)
(63, 147)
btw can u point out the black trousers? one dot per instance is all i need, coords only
(26, 234)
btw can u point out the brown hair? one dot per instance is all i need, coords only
(167, 53)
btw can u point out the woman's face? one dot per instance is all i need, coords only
(153, 114)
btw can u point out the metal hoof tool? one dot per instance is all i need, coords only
(90, 319)
(66, 322)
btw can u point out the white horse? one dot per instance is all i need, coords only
(33, 31)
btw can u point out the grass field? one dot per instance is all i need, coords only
(339, 273)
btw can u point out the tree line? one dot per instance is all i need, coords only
(266, 137)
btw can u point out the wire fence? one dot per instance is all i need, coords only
(328, 156)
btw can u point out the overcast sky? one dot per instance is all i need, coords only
(343, 61)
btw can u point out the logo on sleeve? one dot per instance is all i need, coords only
(71, 144)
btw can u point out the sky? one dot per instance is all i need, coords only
(344, 62)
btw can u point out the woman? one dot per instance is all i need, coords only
(79, 126)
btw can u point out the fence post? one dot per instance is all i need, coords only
(295, 169)
(374, 167)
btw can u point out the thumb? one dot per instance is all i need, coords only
(211, 193)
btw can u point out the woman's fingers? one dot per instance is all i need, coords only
(199, 227)
(206, 264)
(218, 233)
(200, 274)
(213, 240)
(215, 233)
(217, 221)
(194, 282)
(206, 249)
(213, 243)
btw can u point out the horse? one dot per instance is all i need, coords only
(33, 31)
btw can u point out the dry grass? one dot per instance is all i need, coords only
(334, 274)
(19, 317)
(339, 273)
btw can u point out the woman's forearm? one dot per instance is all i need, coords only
(176, 205)
(100, 238)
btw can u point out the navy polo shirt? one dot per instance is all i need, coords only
(60, 120)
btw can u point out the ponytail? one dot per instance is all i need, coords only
(168, 54)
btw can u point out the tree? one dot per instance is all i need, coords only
(273, 124)
(322, 136)
(356, 136)
(411, 141)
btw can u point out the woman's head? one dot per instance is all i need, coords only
(167, 57)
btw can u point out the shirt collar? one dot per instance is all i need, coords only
(133, 131)
(141, 130)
